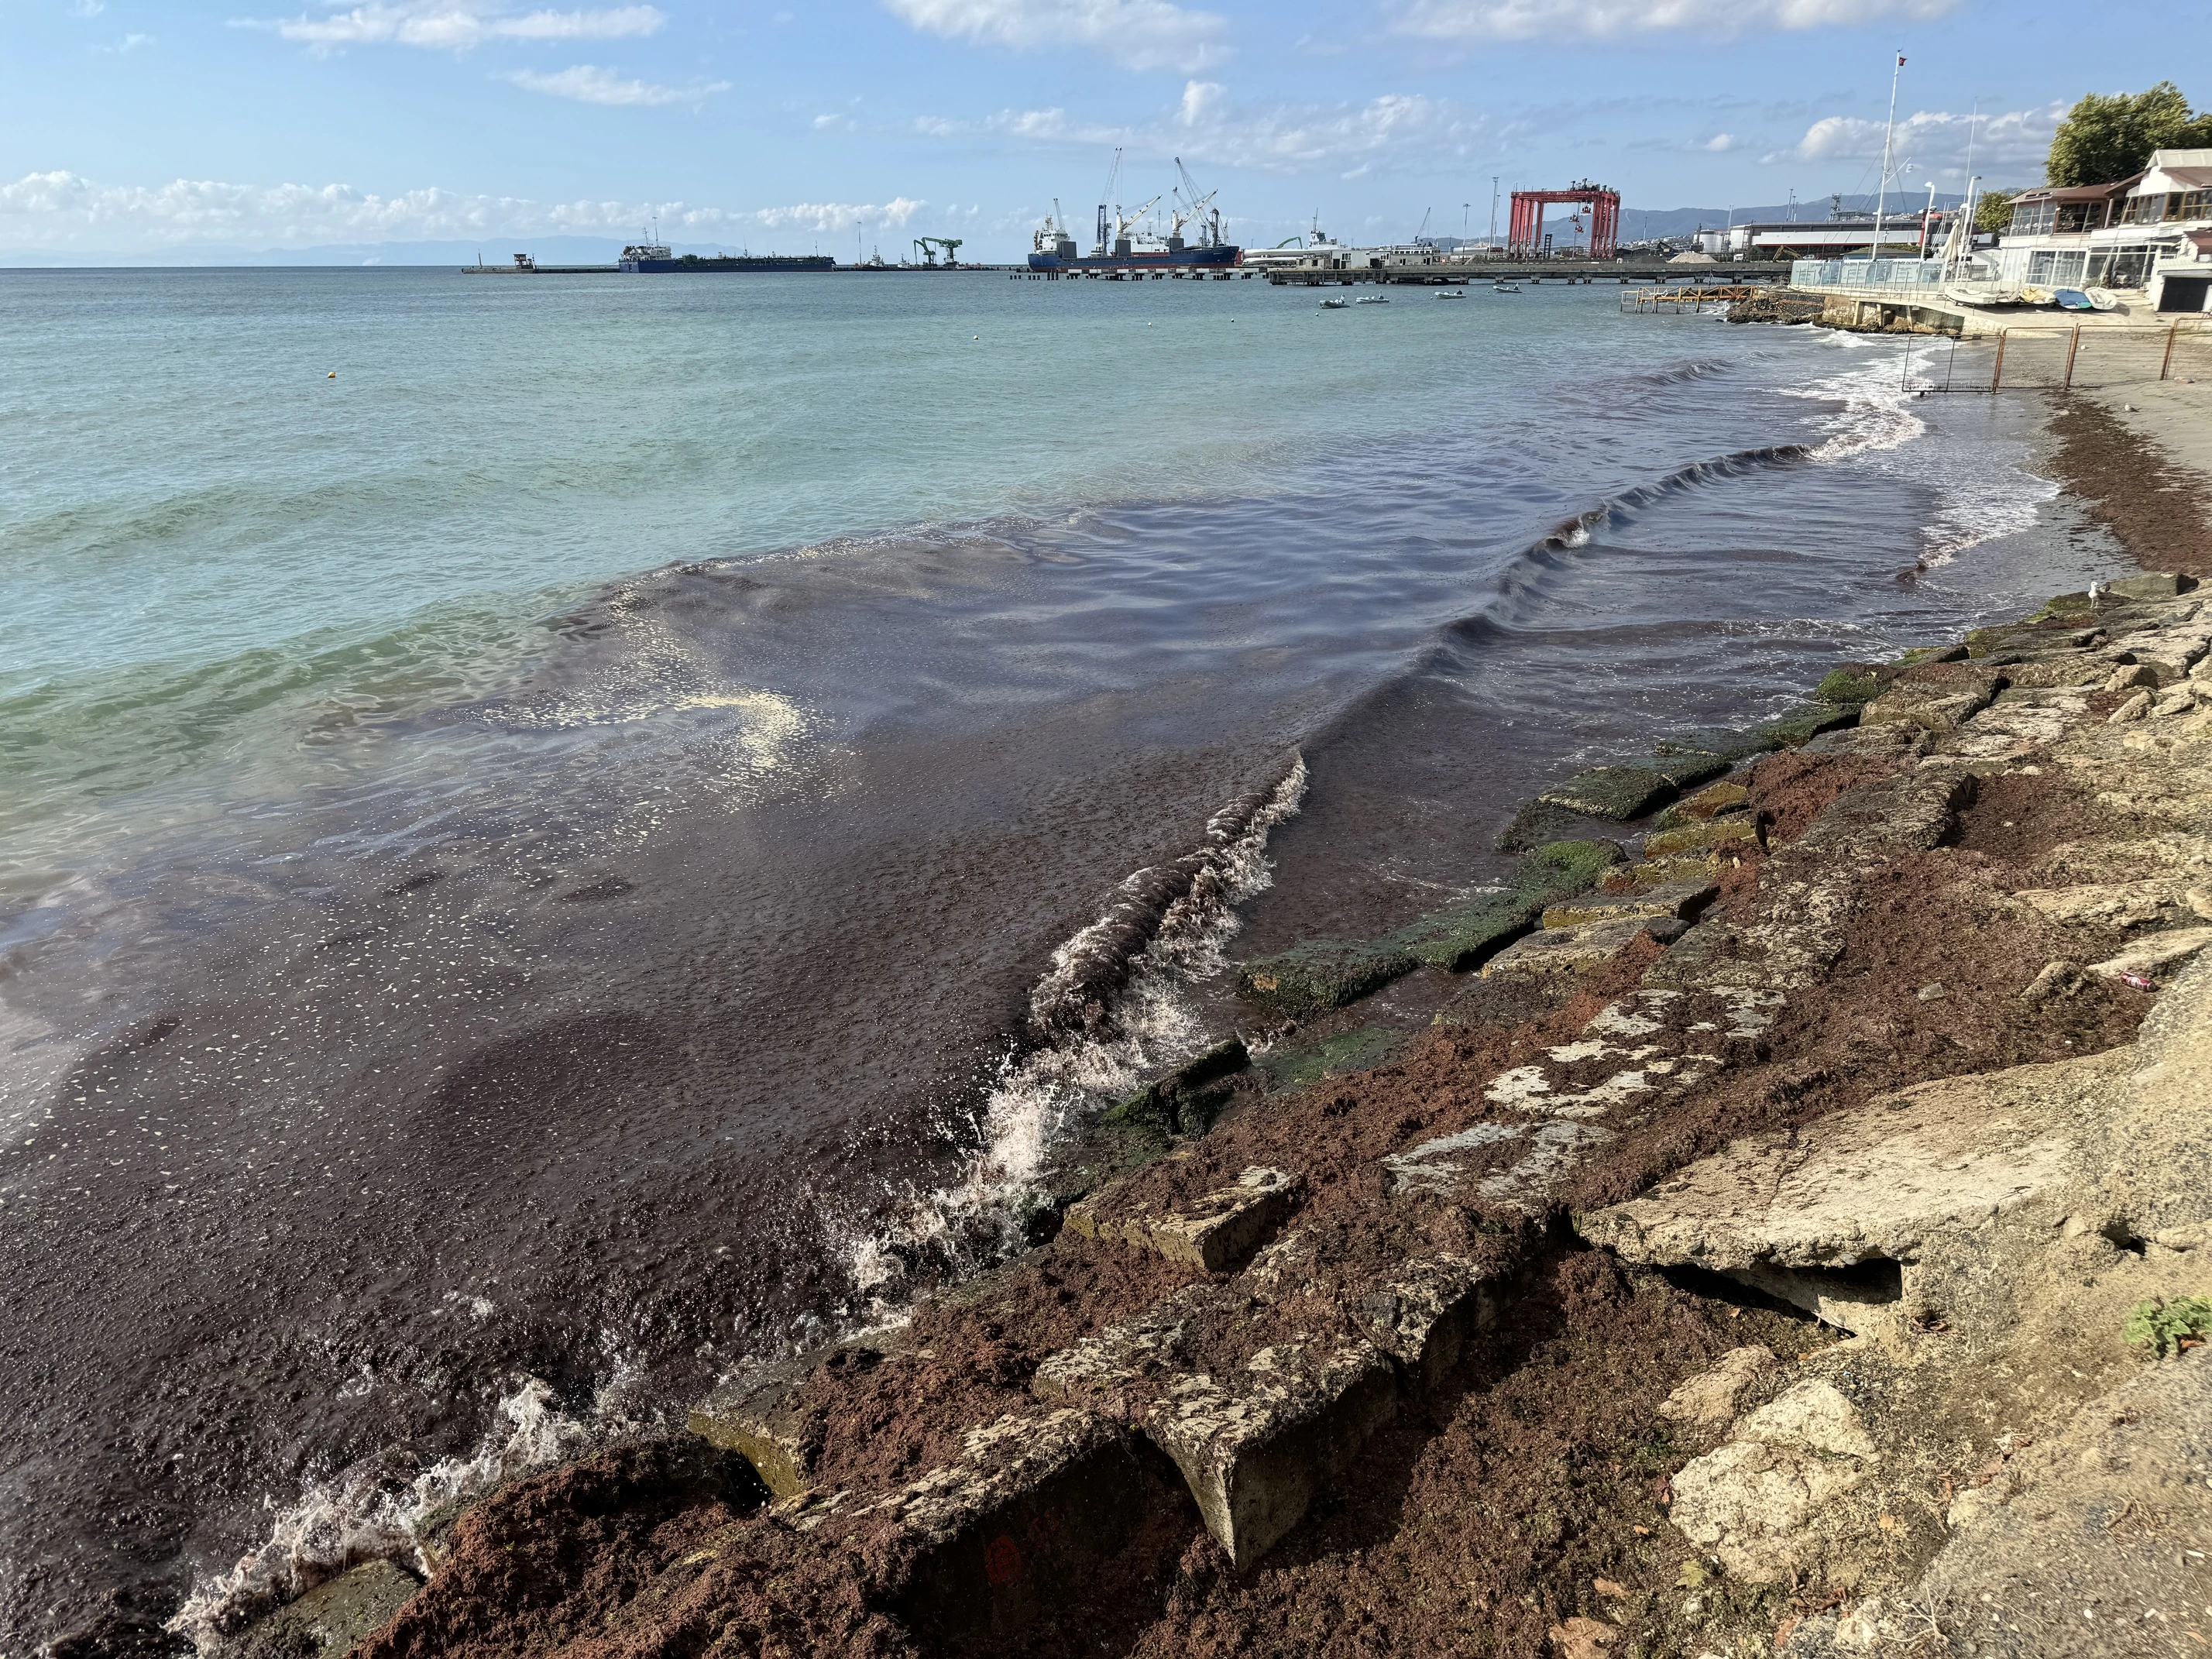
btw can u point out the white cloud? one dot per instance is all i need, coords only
(589, 84)
(822, 217)
(1139, 33)
(1207, 126)
(87, 8)
(1524, 19)
(457, 25)
(1721, 142)
(1934, 139)
(56, 212)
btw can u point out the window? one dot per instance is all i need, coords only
(2031, 218)
(2189, 204)
(2066, 269)
(2038, 267)
(2119, 267)
(2144, 211)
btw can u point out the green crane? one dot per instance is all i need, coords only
(927, 246)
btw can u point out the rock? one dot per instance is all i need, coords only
(1256, 1453)
(1714, 800)
(1311, 979)
(1938, 707)
(1539, 822)
(1730, 746)
(1679, 899)
(1720, 833)
(1584, 1638)
(1933, 992)
(1749, 1501)
(1463, 936)
(1427, 1313)
(1255, 1450)
(1801, 726)
(1923, 653)
(1856, 682)
(1185, 1102)
(1216, 1231)
(2157, 955)
(1617, 792)
(753, 1416)
(2129, 675)
(1707, 1401)
(330, 1621)
(2153, 585)
(1035, 1506)
(1565, 949)
(2071, 671)
(2057, 980)
(1917, 810)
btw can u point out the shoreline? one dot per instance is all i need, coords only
(1934, 801)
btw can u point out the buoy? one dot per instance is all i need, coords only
(974, 337)
(334, 374)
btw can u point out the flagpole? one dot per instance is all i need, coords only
(1881, 189)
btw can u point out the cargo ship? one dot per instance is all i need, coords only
(1054, 248)
(652, 256)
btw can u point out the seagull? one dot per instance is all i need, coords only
(2096, 592)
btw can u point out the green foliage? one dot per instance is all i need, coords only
(1993, 213)
(2105, 139)
(2162, 1325)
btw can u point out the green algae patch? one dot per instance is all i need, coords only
(1463, 936)
(1921, 654)
(1725, 745)
(1616, 792)
(1323, 974)
(1186, 1101)
(1539, 822)
(1719, 833)
(1855, 681)
(1715, 800)
(1800, 726)
(1358, 1050)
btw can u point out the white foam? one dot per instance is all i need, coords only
(1037, 1097)
(369, 1513)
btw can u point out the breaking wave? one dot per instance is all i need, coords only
(1575, 532)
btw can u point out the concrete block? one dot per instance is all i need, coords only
(752, 1416)
(1720, 833)
(330, 1621)
(1428, 1313)
(1216, 1231)
(1618, 792)
(1256, 1451)
(1680, 899)
(2154, 585)
(1030, 1510)
(1565, 949)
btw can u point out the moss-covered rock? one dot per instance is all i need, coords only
(1800, 726)
(1726, 745)
(1854, 681)
(1615, 792)
(1358, 1050)
(1323, 974)
(1463, 936)
(1715, 800)
(1922, 653)
(1188, 1100)
(1539, 822)
(1694, 837)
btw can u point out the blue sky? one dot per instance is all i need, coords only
(128, 127)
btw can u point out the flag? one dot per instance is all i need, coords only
(1900, 60)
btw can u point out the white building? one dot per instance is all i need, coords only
(2150, 234)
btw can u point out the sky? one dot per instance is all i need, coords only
(188, 128)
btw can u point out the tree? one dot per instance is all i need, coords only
(1993, 213)
(2106, 139)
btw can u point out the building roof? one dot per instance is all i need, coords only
(2078, 192)
(2188, 178)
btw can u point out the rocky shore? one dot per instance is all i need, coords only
(1783, 1240)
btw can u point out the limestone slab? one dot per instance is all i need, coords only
(1216, 1231)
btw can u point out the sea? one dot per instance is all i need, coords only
(561, 838)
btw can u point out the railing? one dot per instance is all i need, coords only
(2061, 359)
(1915, 273)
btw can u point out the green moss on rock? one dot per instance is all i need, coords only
(1359, 1050)
(1463, 936)
(1855, 682)
(1323, 974)
(1800, 726)
(1616, 792)
(1730, 746)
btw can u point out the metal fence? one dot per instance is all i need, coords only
(2059, 359)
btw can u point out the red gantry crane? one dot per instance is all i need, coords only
(1527, 233)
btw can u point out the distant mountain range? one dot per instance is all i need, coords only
(1636, 225)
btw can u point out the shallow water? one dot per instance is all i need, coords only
(537, 857)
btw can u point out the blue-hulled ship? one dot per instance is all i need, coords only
(1054, 249)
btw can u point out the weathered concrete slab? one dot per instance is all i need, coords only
(1723, 833)
(1428, 1313)
(1714, 800)
(1942, 707)
(1749, 1501)
(1030, 1512)
(1216, 1231)
(1678, 899)
(2158, 901)
(1617, 792)
(1256, 1450)
(753, 1416)
(330, 1621)
(1565, 949)
(2156, 956)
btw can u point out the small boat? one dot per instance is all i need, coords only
(1370, 300)
(2102, 299)
(1451, 293)
(1982, 293)
(1507, 287)
(2071, 298)
(1334, 305)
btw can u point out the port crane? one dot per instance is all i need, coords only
(926, 248)
(1105, 196)
(1198, 205)
(1123, 220)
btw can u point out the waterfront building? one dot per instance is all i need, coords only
(2150, 234)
